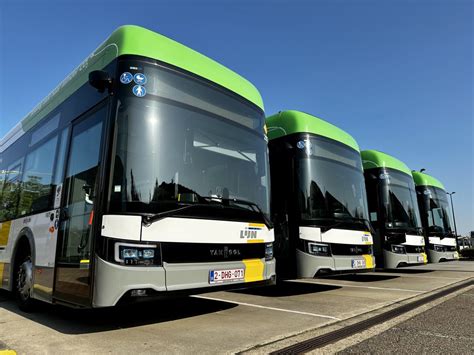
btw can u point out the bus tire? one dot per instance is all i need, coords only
(24, 282)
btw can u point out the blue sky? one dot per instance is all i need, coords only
(397, 75)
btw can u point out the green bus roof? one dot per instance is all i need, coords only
(289, 122)
(374, 159)
(422, 179)
(135, 40)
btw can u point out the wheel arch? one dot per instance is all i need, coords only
(25, 236)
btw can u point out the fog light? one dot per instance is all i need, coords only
(138, 293)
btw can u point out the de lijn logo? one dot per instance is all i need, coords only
(139, 90)
(126, 78)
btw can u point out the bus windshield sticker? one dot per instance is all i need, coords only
(139, 90)
(126, 78)
(57, 196)
(139, 79)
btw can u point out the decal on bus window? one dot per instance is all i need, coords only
(139, 90)
(126, 78)
(139, 79)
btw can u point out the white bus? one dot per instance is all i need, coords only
(145, 172)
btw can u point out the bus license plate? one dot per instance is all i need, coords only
(229, 275)
(421, 259)
(358, 264)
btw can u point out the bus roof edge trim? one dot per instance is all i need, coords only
(135, 40)
(373, 159)
(422, 179)
(288, 122)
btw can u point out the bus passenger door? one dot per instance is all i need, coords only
(80, 192)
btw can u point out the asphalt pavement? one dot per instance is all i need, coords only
(445, 329)
(254, 320)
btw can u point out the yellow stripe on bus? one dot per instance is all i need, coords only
(255, 241)
(253, 270)
(260, 225)
(2, 267)
(85, 261)
(368, 261)
(4, 232)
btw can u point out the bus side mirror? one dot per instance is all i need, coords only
(100, 80)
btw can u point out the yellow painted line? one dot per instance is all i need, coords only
(260, 225)
(368, 261)
(7, 352)
(255, 241)
(253, 270)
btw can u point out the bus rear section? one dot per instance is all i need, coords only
(318, 198)
(434, 212)
(393, 211)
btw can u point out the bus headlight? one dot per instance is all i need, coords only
(128, 253)
(319, 249)
(268, 251)
(137, 254)
(439, 248)
(398, 249)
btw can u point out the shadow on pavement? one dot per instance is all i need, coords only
(360, 277)
(82, 321)
(287, 288)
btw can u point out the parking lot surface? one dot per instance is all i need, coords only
(219, 322)
(445, 329)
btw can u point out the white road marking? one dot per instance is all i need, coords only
(416, 276)
(318, 282)
(265, 307)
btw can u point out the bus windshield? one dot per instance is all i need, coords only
(399, 197)
(436, 206)
(186, 142)
(331, 184)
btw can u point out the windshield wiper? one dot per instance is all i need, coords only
(148, 220)
(251, 204)
(340, 221)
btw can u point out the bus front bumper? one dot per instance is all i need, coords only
(394, 260)
(309, 266)
(113, 281)
(438, 256)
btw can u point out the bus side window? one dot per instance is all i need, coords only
(2, 184)
(59, 168)
(36, 187)
(11, 190)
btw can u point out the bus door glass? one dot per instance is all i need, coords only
(80, 191)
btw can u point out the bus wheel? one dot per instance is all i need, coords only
(24, 284)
